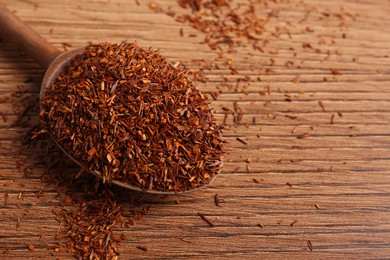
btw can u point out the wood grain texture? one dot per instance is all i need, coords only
(320, 179)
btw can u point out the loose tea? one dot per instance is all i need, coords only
(91, 216)
(127, 114)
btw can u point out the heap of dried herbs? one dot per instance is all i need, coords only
(224, 22)
(127, 114)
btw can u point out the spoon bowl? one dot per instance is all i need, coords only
(54, 70)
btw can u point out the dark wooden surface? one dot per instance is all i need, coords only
(331, 187)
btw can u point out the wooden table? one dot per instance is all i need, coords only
(316, 134)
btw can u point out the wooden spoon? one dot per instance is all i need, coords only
(54, 61)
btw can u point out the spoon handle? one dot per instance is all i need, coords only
(26, 39)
